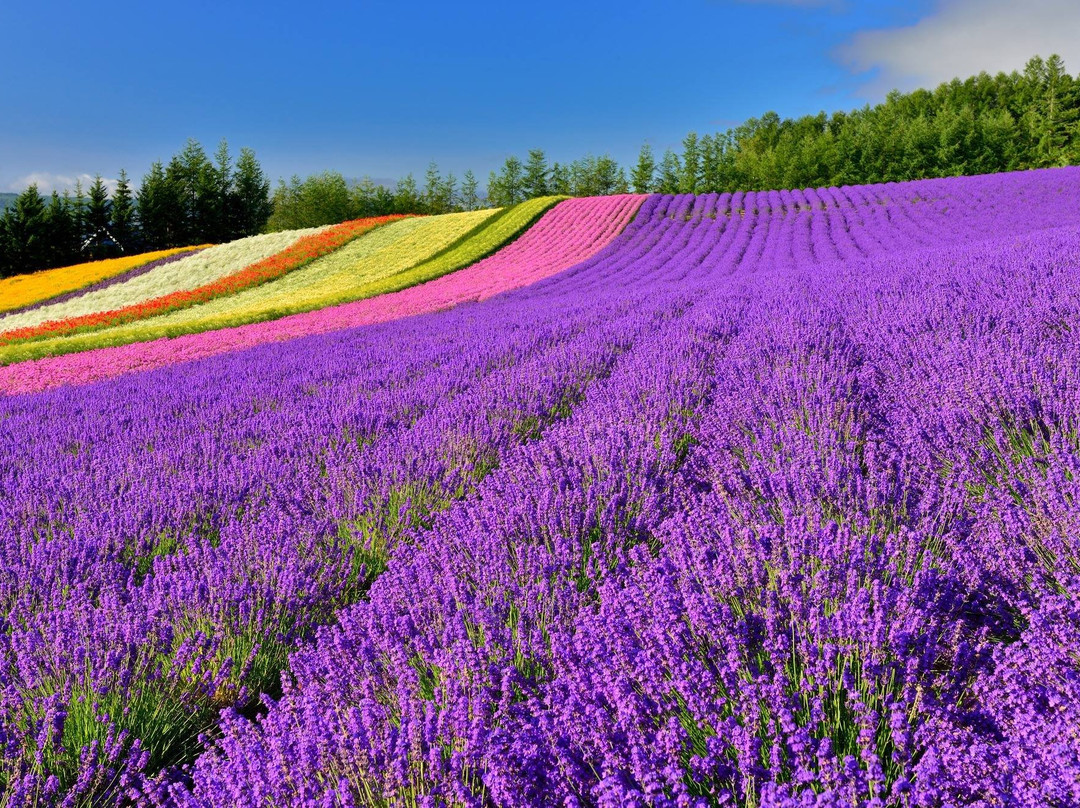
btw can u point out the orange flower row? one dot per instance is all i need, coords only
(302, 252)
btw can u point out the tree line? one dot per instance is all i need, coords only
(329, 197)
(190, 200)
(982, 124)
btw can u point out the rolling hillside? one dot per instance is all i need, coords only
(763, 498)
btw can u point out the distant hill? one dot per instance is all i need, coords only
(7, 199)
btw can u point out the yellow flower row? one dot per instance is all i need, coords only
(26, 290)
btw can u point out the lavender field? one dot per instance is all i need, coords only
(773, 501)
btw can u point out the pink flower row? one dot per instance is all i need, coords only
(569, 233)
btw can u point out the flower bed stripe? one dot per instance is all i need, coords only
(49, 285)
(494, 230)
(332, 279)
(302, 252)
(123, 277)
(589, 226)
(207, 266)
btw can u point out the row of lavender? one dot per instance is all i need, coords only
(713, 516)
(158, 568)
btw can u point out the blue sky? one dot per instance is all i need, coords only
(381, 89)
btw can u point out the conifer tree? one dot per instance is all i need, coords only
(432, 180)
(362, 197)
(285, 204)
(607, 177)
(449, 193)
(153, 208)
(180, 194)
(6, 261)
(507, 187)
(469, 198)
(371, 199)
(407, 196)
(711, 157)
(438, 194)
(78, 213)
(209, 206)
(25, 233)
(691, 165)
(123, 213)
(98, 212)
(64, 241)
(219, 208)
(670, 174)
(7, 266)
(189, 178)
(535, 181)
(581, 173)
(1057, 112)
(559, 181)
(642, 178)
(318, 200)
(251, 189)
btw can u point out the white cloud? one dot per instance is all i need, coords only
(47, 183)
(963, 37)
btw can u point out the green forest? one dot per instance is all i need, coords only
(982, 124)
